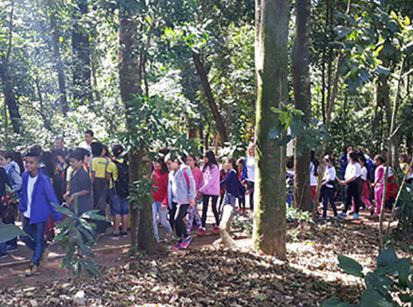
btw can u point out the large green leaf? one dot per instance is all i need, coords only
(387, 257)
(372, 298)
(350, 266)
(9, 231)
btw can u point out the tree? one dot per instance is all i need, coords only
(82, 84)
(272, 17)
(302, 98)
(6, 78)
(131, 94)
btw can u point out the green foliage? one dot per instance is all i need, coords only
(140, 193)
(9, 231)
(297, 215)
(393, 277)
(405, 210)
(77, 236)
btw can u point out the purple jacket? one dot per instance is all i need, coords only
(211, 184)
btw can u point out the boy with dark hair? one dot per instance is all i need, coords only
(80, 184)
(36, 199)
(88, 140)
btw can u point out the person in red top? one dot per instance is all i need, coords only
(160, 197)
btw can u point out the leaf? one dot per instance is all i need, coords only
(373, 298)
(404, 270)
(9, 232)
(350, 266)
(383, 70)
(93, 215)
(61, 39)
(387, 257)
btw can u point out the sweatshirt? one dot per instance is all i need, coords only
(181, 186)
(232, 184)
(159, 187)
(211, 181)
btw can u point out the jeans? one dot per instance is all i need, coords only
(172, 212)
(250, 187)
(290, 199)
(328, 197)
(118, 205)
(35, 239)
(180, 227)
(205, 200)
(157, 208)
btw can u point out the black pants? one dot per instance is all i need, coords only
(328, 197)
(353, 193)
(205, 203)
(180, 227)
(172, 212)
(250, 186)
(241, 201)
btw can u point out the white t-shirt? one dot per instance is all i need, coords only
(313, 178)
(364, 173)
(329, 175)
(250, 168)
(30, 186)
(352, 170)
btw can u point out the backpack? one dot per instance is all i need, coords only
(122, 184)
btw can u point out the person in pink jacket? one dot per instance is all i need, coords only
(210, 190)
(378, 184)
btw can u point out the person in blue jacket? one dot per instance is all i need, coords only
(36, 205)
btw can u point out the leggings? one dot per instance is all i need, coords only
(180, 227)
(172, 212)
(205, 200)
(353, 193)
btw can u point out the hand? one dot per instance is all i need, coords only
(192, 203)
(341, 182)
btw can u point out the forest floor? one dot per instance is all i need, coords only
(208, 274)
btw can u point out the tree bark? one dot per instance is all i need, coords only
(6, 80)
(302, 97)
(82, 83)
(61, 76)
(203, 76)
(130, 87)
(271, 58)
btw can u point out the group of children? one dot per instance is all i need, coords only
(362, 180)
(86, 178)
(181, 183)
(92, 177)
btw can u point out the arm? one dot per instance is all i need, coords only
(164, 183)
(51, 198)
(191, 186)
(17, 180)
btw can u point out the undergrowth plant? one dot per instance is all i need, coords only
(390, 284)
(77, 236)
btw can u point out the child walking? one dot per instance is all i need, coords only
(327, 187)
(194, 219)
(160, 197)
(210, 190)
(352, 183)
(181, 193)
(378, 185)
(80, 184)
(241, 197)
(233, 189)
(36, 201)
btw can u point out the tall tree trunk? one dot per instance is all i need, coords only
(130, 87)
(302, 97)
(271, 58)
(82, 83)
(61, 76)
(6, 80)
(203, 76)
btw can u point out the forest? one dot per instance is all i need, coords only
(302, 88)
